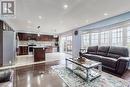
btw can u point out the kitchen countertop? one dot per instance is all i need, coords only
(23, 45)
(43, 47)
(39, 47)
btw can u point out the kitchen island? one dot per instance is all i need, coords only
(39, 54)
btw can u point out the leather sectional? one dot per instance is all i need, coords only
(6, 78)
(112, 57)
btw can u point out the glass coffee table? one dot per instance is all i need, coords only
(87, 69)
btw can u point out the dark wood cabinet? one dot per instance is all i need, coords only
(23, 36)
(32, 36)
(39, 54)
(42, 38)
(4, 26)
(1, 24)
(23, 50)
(47, 37)
(28, 36)
(50, 38)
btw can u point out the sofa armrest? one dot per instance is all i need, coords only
(122, 64)
(82, 52)
(124, 59)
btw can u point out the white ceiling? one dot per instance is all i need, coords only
(55, 16)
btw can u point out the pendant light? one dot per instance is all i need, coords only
(55, 35)
(38, 28)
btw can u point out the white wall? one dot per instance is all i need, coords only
(61, 43)
(76, 43)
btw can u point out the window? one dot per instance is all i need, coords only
(84, 41)
(94, 39)
(117, 37)
(67, 44)
(104, 38)
(128, 37)
(109, 36)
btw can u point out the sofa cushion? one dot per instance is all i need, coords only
(113, 55)
(103, 50)
(5, 75)
(93, 57)
(110, 62)
(92, 49)
(116, 52)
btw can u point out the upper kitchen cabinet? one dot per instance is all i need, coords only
(1, 24)
(29, 36)
(40, 38)
(5, 26)
(23, 36)
(45, 38)
(50, 37)
(32, 36)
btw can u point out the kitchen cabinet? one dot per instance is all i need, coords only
(45, 38)
(42, 38)
(23, 36)
(23, 50)
(29, 36)
(32, 36)
(1, 24)
(39, 54)
(5, 26)
(50, 38)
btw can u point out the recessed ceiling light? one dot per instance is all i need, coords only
(29, 21)
(40, 17)
(105, 14)
(65, 6)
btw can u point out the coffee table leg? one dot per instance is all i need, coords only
(100, 68)
(87, 77)
(66, 63)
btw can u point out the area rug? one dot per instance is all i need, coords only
(106, 80)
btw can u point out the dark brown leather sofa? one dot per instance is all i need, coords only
(112, 57)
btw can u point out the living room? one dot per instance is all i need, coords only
(68, 43)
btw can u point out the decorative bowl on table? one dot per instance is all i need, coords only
(81, 59)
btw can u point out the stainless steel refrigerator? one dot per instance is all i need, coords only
(7, 47)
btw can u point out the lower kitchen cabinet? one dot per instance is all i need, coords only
(39, 54)
(23, 50)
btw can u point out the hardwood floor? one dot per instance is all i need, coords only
(41, 75)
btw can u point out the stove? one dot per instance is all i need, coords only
(30, 48)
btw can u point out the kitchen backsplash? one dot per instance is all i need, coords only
(38, 43)
(23, 43)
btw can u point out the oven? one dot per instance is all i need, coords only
(30, 48)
